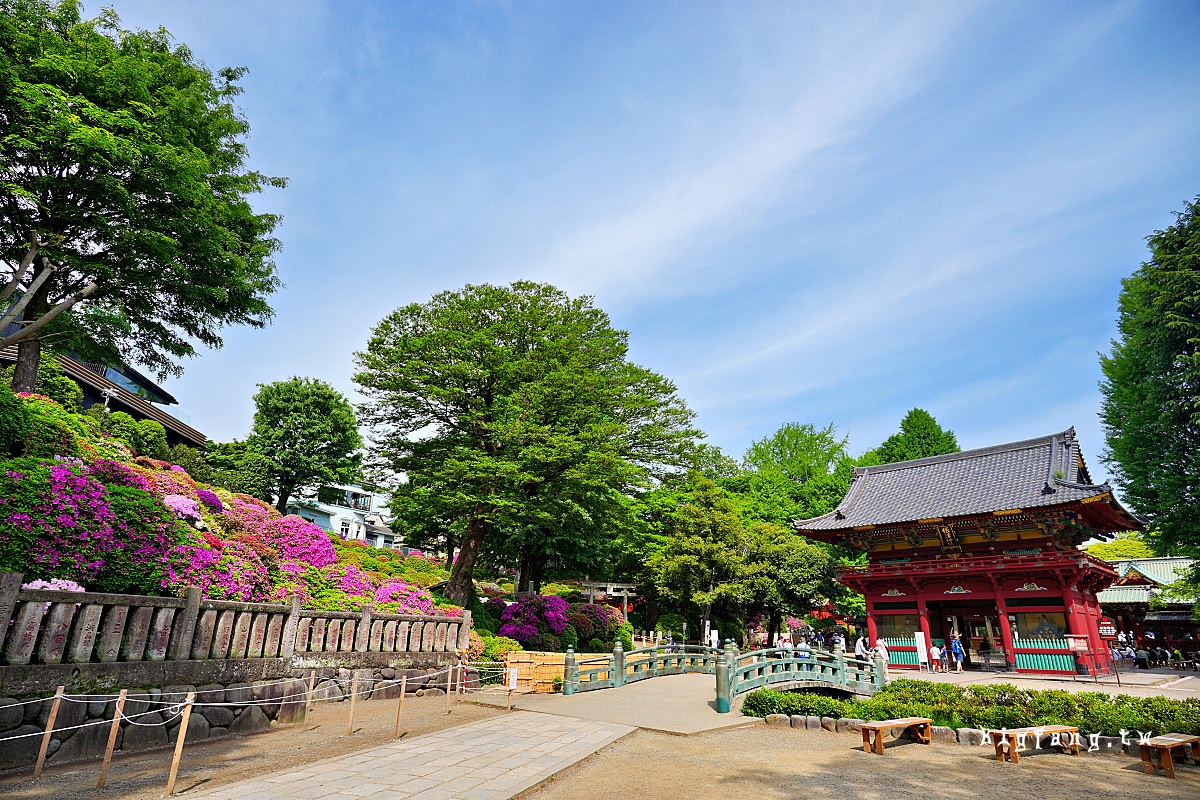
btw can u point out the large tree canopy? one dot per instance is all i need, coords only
(518, 405)
(1151, 386)
(308, 433)
(920, 436)
(125, 230)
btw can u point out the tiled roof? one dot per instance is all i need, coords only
(1126, 594)
(1159, 570)
(1047, 471)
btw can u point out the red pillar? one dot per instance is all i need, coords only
(1005, 630)
(871, 629)
(923, 616)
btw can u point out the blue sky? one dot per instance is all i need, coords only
(801, 211)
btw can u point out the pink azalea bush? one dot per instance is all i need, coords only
(297, 539)
(185, 508)
(535, 621)
(399, 597)
(234, 572)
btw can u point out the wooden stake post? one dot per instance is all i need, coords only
(353, 698)
(41, 759)
(449, 686)
(312, 677)
(180, 737)
(112, 738)
(400, 705)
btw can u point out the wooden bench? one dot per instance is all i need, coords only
(920, 726)
(1164, 745)
(1007, 742)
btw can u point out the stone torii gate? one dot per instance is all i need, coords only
(625, 591)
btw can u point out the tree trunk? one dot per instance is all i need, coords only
(525, 571)
(29, 357)
(537, 568)
(461, 588)
(285, 493)
(773, 628)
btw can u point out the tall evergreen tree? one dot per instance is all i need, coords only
(920, 436)
(1151, 386)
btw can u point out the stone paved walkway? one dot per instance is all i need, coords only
(492, 759)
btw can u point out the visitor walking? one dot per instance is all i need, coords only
(935, 658)
(957, 653)
(860, 648)
(882, 649)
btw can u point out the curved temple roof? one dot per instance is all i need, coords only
(1048, 471)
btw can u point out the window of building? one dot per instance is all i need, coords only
(896, 626)
(345, 529)
(1040, 625)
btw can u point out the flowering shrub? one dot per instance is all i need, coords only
(243, 512)
(56, 585)
(55, 521)
(162, 479)
(210, 500)
(398, 597)
(185, 508)
(535, 621)
(114, 473)
(296, 538)
(475, 646)
(147, 531)
(234, 572)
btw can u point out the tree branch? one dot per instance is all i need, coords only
(18, 309)
(19, 275)
(42, 321)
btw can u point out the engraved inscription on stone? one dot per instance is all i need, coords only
(303, 630)
(376, 642)
(224, 634)
(389, 637)
(24, 634)
(204, 633)
(427, 634)
(317, 644)
(333, 635)
(241, 635)
(137, 631)
(414, 637)
(258, 636)
(111, 632)
(87, 625)
(347, 644)
(439, 638)
(55, 629)
(160, 634)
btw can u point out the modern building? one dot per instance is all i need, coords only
(123, 388)
(1136, 604)
(349, 511)
(982, 544)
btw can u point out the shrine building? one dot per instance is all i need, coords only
(983, 544)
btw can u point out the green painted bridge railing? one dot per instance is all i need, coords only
(780, 667)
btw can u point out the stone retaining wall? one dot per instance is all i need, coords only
(220, 709)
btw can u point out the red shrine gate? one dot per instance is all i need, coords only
(982, 544)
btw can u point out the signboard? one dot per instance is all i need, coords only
(922, 649)
(1108, 628)
(512, 678)
(1078, 642)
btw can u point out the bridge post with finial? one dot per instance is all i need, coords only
(618, 664)
(839, 661)
(880, 676)
(570, 673)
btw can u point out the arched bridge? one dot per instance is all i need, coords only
(734, 672)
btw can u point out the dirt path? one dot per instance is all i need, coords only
(210, 764)
(773, 764)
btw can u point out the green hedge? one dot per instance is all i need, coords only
(992, 707)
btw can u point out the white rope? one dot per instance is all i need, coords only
(77, 727)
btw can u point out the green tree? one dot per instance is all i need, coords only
(192, 460)
(920, 436)
(124, 427)
(125, 229)
(1151, 386)
(786, 574)
(308, 432)
(52, 382)
(798, 472)
(235, 467)
(509, 398)
(1121, 548)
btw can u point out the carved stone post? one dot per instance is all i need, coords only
(880, 676)
(185, 625)
(287, 644)
(839, 662)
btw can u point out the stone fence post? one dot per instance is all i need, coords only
(287, 642)
(570, 672)
(362, 634)
(618, 664)
(464, 632)
(185, 624)
(839, 661)
(10, 584)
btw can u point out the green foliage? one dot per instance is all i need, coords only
(153, 439)
(14, 422)
(762, 702)
(499, 646)
(192, 460)
(994, 706)
(236, 468)
(52, 382)
(920, 436)
(308, 433)
(625, 634)
(538, 416)
(569, 638)
(1123, 547)
(128, 157)
(125, 428)
(141, 518)
(1151, 386)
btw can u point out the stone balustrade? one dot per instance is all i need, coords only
(53, 627)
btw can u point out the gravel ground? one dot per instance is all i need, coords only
(210, 764)
(769, 763)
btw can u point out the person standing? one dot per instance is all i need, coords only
(957, 652)
(935, 658)
(860, 647)
(882, 649)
